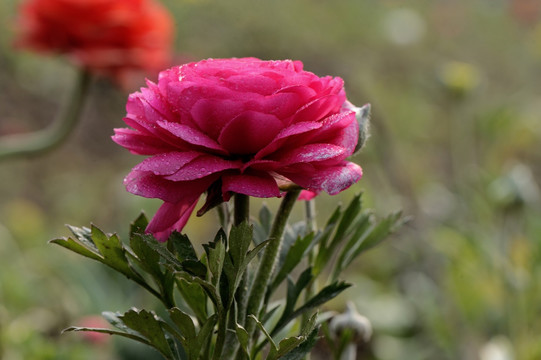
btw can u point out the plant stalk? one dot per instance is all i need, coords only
(48, 138)
(268, 260)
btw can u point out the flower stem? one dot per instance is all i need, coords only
(269, 259)
(242, 209)
(46, 139)
(231, 344)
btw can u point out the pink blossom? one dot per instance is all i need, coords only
(237, 126)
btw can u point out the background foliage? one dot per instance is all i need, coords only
(455, 143)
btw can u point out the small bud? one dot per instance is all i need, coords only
(351, 320)
(363, 118)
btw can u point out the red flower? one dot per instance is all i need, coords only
(105, 36)
(237, 126)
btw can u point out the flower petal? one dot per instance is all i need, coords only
(149, 185)
(332, 179)
(203, 166)
(191, 135)
(258, 184)
(249, 132)
(171, 217)
(167, 163)
(139, 143)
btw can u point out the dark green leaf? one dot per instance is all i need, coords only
(112, 251)
(182, 246)
(139, 225)
(147, 324)
(110, 332)
(303, 349)
(293, 292)
(368, 235)
(205, 334)
(294, 256)
(195, 297)
(195, 267)
(244, 339)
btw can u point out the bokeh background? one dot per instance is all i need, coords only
(456, 100)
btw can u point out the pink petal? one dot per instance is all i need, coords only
(307, 195)
(167, 163)
(203, 166)
(140, 143)
(191, 135)
(249, 132)
(318, 108)
(211, 115)
(170, 217)
(329, 179)
(278, 141)
(309, 153)
(258, 184)
(149, 185)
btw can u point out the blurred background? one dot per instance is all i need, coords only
(456, 104)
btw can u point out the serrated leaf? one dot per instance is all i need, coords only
(303, 349)
(182, 246)
(147, 324)
(188, 336)
(148, 256)
(160, 249)
(112, 251)
(195, 267)
(77, 247)
(108, 331)
(195, 297)
(139, 225)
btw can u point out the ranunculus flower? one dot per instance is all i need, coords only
(105, 36)
(237, 126)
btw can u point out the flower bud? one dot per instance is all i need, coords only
(362, 114)
(352, 321)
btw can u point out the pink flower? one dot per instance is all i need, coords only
(237, 126)
(110, 37)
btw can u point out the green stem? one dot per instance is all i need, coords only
(311, 226)
(46, 139)
(269, 259)
(231, 345)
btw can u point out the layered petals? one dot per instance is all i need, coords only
(242, 126)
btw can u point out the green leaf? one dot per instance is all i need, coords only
(110, 332)
(244, 339)
(368, 235)
(205, 334)
(293, 292)
(139, 225)
(148, 257)
(240, 239)
(264, 331)
(188, 337)
(148, 324)
(294, 256)
(160, 249)
(303, 349)
(112, 251)
(182, 246)
(184, 322)
(195, 297)
(327, 293)
(288, 344)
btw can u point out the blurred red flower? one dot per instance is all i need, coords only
(109, 37)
